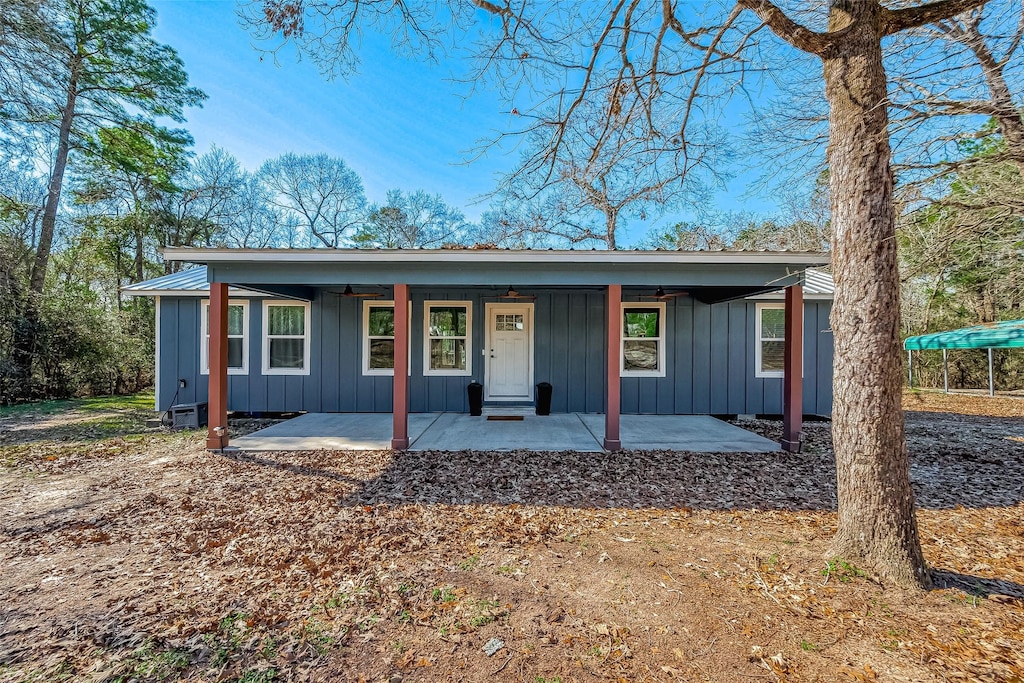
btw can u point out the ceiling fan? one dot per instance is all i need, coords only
(661, 295)
(513, 294)
(361, 295)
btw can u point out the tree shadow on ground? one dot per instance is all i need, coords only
(977, 586)
(666, 480)
(628, 479)
(252, 458)
(83, 431)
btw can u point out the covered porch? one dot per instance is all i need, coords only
(616, 281)
(514, 429)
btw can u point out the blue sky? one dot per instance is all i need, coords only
(398, 123)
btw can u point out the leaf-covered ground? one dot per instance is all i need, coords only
(133, 554)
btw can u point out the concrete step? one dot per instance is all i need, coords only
(508, 410)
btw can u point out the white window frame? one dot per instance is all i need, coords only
(427, 305)
(204, 337)
(759, 341)
(660, 372)
(367, 370)
(306, 360)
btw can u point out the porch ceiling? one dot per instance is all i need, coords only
(707, 295)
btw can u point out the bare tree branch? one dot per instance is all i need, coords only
(786, 28)
(896, 20)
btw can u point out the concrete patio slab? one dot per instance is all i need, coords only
(458, 432)
(701, 433)
(332, 431)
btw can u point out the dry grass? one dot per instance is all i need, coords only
(963, 403)
(142, 557)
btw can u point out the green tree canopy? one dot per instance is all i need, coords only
(70, 69)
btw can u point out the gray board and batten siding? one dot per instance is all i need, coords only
(710, 356)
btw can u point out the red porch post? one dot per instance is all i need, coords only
(612, 441)
(400, 409)
(793, 381)
(217, 416)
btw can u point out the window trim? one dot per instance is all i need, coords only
(759, 371)
(365, 339)
(204, 337)
(307, 361)
(367, 370)
(661, 339)
(427, 371)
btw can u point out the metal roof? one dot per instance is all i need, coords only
(818, 283)
(1006, 334)
(193, 279)
(191, 282)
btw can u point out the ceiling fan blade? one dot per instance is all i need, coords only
(359, 295)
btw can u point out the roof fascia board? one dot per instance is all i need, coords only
(760, 276)
(602, 257)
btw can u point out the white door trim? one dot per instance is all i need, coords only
(489, 310)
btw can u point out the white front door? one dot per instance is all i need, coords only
(508, 353)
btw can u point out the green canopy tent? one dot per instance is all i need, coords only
(1006, 334)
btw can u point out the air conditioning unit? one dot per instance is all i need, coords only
(189, 415)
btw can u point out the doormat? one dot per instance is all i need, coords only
(506, 417)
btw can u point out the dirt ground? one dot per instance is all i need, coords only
(131, 554)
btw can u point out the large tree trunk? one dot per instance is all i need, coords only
(876, 502)
(26, 337)
(60, 163)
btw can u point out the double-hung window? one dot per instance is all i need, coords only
(286, 338)
(643, 340)
(238, 338)
(378, 338)
(771, 340)
(448, 338)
